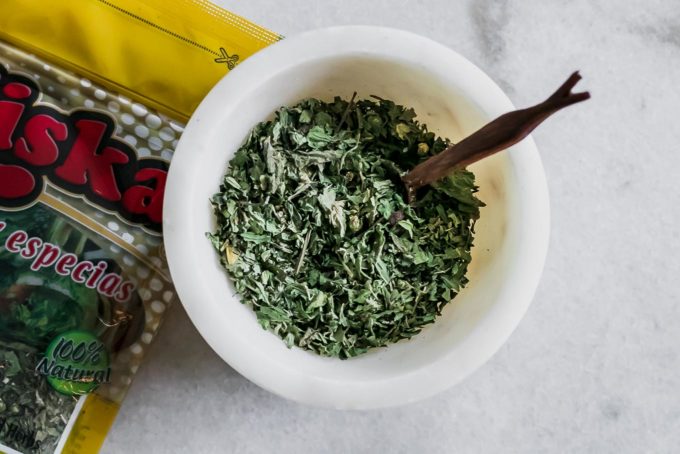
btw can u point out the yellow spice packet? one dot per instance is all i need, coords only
(167, 53)
(93, 99)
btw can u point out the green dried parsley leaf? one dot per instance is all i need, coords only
(28, 405)
(305, 226)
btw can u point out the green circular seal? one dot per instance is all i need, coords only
(76, 362)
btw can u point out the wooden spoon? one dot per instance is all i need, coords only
(501, 133)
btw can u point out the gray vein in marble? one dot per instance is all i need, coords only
(490, 19)
(667, 33)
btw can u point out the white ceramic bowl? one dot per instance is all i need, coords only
(454, 98)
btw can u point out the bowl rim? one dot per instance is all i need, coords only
(325, 43)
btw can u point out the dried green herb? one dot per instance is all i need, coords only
(314, 229)
(32, 415)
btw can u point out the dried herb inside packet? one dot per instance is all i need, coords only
(314, 229)
(32, 414)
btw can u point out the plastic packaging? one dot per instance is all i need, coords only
(93, 95)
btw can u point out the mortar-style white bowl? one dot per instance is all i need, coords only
(450, 95)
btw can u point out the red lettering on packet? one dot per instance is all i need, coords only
(46, 257)
(17, 90)
(15, 182)
(74, 151)
(94, 277)
(31, 248)
(124, 292)
(10, 113)
(38, 146)
(77, 274)
(15, 240)
(65, 263)
(84, 165)
(109, 284)
(141, 199)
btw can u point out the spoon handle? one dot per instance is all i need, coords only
(501, 133)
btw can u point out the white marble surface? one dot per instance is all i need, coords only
(595, 365)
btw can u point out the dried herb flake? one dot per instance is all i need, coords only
(314, 229)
